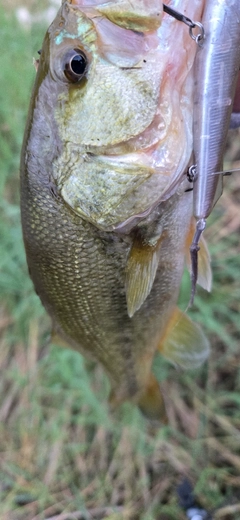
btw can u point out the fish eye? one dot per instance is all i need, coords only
(75, 65)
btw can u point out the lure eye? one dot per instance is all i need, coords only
(75, 65)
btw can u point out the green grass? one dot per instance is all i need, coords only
(60, 448)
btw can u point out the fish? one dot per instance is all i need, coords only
(106, 205)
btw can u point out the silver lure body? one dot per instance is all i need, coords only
(217, 65)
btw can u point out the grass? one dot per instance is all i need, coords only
(61, 452)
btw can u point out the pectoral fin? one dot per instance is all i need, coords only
(140, 274)
(151, 402)
(183, 343)
(204, 261)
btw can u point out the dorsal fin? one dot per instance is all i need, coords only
(204, 261)
(183, 342)
(140, 273)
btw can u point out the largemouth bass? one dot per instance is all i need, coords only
(106, 205)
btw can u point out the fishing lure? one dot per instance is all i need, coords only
(217, 66)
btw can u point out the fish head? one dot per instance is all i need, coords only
(106, 71)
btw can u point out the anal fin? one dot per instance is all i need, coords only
(183, 342)
(140, 273)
